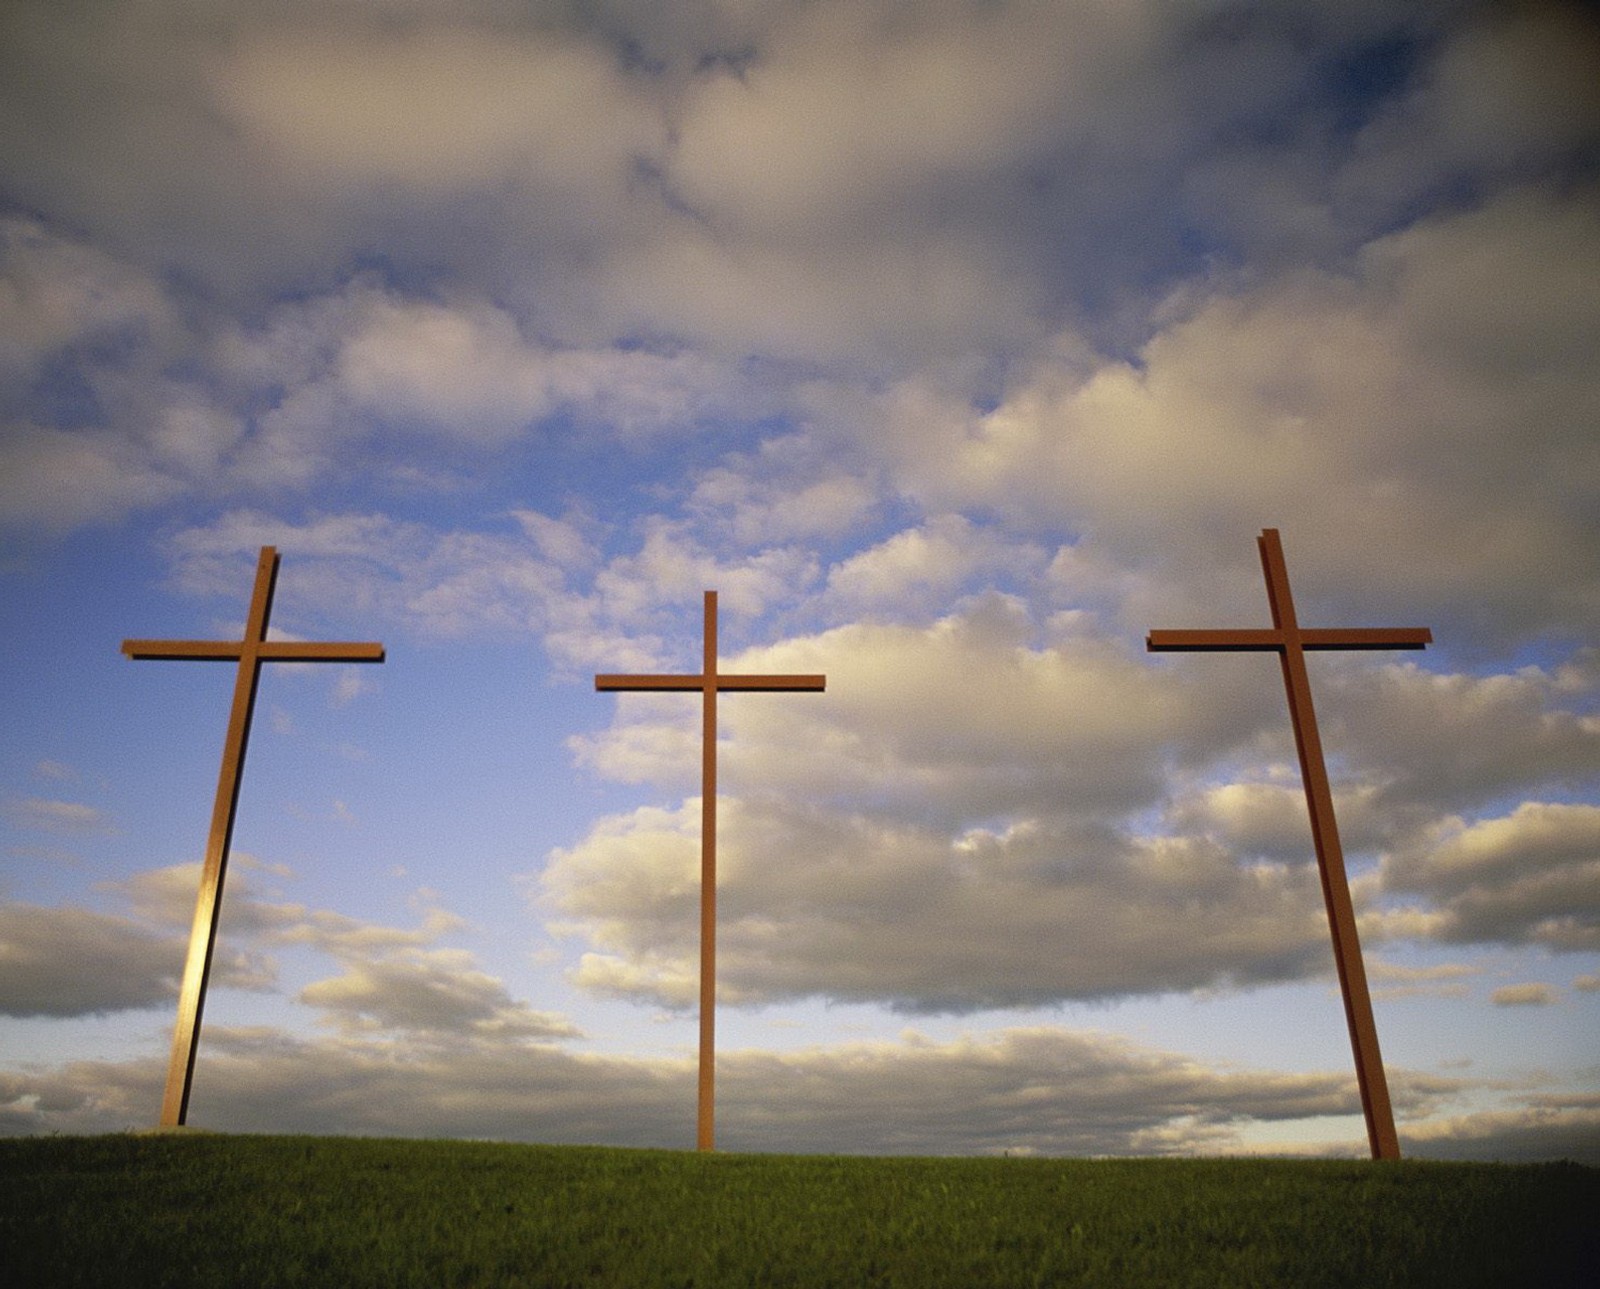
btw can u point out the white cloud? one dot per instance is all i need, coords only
(370, 365)
(868, 911)
(73, 962)
(1442, 980)
(1039, 1091)
(56, 479)
(363, 567)
(1269, 820)
(920, 567)
(1534, 994)
(671, 570)
(428, 993)
(111, 405)
(58, 293)
(440, 107)
(1450, 740)
(969, 774)
(965, 717)
(350, 685)
(55, 772)
(70, 962)
(1468, 428)
(794, 486)
(1048, 1091)
(1530, 876)
(850, 111)
(41, 814)
(1549, 1127)
(392, 980)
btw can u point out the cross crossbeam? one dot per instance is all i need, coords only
(710, 682)
(249, 652)
(1290, 642)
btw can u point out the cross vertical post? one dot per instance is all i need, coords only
(710, 682)
(1290, 642)
(706, 1096)
(250, 652)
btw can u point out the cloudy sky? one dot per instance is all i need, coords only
(958, 344)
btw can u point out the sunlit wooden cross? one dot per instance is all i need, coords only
(250, 653)
(710, 683)
(1289, 640)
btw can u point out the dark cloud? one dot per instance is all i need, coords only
(1532, 876)
(1043, 1091)
(71, 962)
(435, 993)
(909, 917)
(1545, 1127)
(1048, 1091)
(985, 822)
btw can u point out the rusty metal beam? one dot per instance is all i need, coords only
(1290, 641)
(250, 652)
(710, 682)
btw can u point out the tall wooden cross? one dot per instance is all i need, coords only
(710, 683)
(250, 653)
(1290, 641)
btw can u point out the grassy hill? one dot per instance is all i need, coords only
(270, 1211)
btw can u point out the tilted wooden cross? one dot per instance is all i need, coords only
(1290, 641)
(710, 683)
(250, 652)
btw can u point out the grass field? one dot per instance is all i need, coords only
(268, 1211)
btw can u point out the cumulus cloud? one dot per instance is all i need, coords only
(434, 107)
(435, 993)
(1042, 1091)
(793, 486)
(911, 183)
(99, 422)
(1534, 994)
(672, 567)
(73, 962)
(1268, 820)
(1546, 1127)
(1507, 92)
(1530, 876)
(923, 566)
(971, 790)
(969, 716)
(1047, 1091)
(56, 479)
(1241, 414)
(1442, 980)
(43, 814)
(62, 295)
(369, 362)
(1447, 740)
(865, 911)
(392, 980)
(369, 566)
(90, 425)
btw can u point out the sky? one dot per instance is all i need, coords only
(957, 344)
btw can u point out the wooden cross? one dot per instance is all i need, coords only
(709, 682)
(1290, 641)
(250, 652)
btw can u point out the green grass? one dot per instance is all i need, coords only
(269, 1211)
